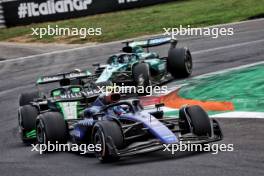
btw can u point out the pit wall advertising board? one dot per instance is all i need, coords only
(24, 12)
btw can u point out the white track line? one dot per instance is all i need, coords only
(231, 115)
(110, 43)
(240, 114)
(227, 70)
(85, 47)
(3, 92)
(228, 46)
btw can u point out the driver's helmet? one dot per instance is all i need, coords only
(119, 110)
(111, 98)
(124, 58)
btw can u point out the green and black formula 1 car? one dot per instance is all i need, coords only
(138, 66)
(75, 77)
(34, 102)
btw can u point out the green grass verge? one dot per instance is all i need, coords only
(147, 20)
(243, 87)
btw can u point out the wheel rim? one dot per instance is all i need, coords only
(20, 127)
(41, 137)
(188, 63)
(99, 139)
(141, 80)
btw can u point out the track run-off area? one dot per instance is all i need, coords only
(230, 93)
(239, 89)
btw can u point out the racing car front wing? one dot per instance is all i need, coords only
(155, 144)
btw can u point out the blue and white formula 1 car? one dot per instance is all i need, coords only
(123, 127)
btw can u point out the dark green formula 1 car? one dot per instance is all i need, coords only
(31, 104)
(138, 66)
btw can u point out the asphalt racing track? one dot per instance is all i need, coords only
(18, 75)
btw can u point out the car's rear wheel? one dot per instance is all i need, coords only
(26, 120)
(51, 127)
(141, 77)
(198, 121)
(26, 98)
(106, 134)
(179, 62)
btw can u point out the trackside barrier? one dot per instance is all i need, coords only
(2, 19)
(24, 12)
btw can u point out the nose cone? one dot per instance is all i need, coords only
(108, 72)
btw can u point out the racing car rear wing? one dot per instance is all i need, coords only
(76, 74)
(148, 43)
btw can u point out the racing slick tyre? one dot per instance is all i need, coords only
(179, 62)
(141, 76)
(51, 127)
(27, 116)
(199, 121)
(26, 98)
(109, 135)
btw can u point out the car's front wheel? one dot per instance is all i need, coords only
(27, 116)
(106, 134)
(51, 127)
(195, 119)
